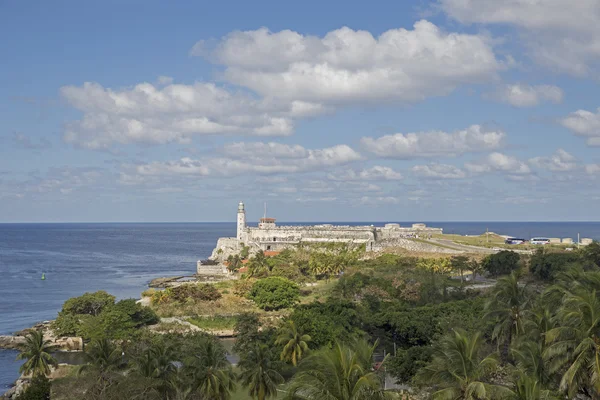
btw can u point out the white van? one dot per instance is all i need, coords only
(539, 240)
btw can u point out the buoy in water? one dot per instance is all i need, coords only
(43, 276)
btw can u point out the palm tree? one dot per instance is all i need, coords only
(259, 373)
(104, 358)
(574, 343)
(458, 369)
(344, 372)
(258, 264)
(36, 351)
(528, 350)
(211, 372)
(527, 388)
(156, 363)
(507, 304)
(234, 263)
(294, 341)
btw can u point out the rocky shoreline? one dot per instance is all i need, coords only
(14, 342)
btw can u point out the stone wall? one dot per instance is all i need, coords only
(225, 248)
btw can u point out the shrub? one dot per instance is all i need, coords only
(38, 389)
(274, 293)
(89, 303)
(183, 293)
(501, 263)
(545, 266)
(148, 292)
(242, 287)
(405, 364)
(328, 321)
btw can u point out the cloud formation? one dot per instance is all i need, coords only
(498, 162)
(376, 173)
(560, 161)
(350, 66)
(439, 171)
(520, 95)
(563, 36)
(247, 158)
(584, 123)
(173, 113)
(434, 143)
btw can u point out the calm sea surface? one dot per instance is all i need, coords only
(123, 258)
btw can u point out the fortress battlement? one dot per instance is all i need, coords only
(268, 236)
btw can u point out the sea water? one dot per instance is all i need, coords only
(123, 258)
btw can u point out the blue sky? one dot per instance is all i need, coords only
(331, 111)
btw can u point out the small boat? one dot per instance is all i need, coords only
(43, 276)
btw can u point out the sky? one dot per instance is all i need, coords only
(156, 111)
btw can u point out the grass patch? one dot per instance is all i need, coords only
(228, 304)
(214, 323)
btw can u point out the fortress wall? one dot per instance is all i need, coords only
(225, 248)
(384, 233)
(306, 233)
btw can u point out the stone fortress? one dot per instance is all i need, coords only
(268, 236)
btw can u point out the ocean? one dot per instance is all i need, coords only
(122, 259)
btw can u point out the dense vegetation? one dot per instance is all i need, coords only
(533, 332)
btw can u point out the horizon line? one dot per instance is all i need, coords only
(303, 222)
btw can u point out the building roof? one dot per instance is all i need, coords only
(267, 220)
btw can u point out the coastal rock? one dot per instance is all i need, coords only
(11, 342)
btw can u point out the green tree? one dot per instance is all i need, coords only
(294, 342)
(459, 370)
(258, 265)
(501, 263)
(527, 388)
(573, 344)
(155, 362)
(344, 372)
(591, 254)
(406, 363)
(212, 376)
(36, 351)
(507, 304)
(274, 293)
(89, 303)
(259, 373)
(234, 263)
(547, 266)
(460, 264)
(103, 358)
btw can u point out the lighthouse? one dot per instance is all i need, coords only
(241, 221)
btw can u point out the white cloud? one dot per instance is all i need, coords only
(564, 35)
(439, 171)
(593, 169)
(376, 173)
(348, 66)
(369, 200)
(173, 113)
(434, 143)
(560, 161)
(584, 123)
(164, 80)
(498, 162)
(251, 158)
(520, 95)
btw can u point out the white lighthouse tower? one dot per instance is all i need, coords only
(241, 221)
